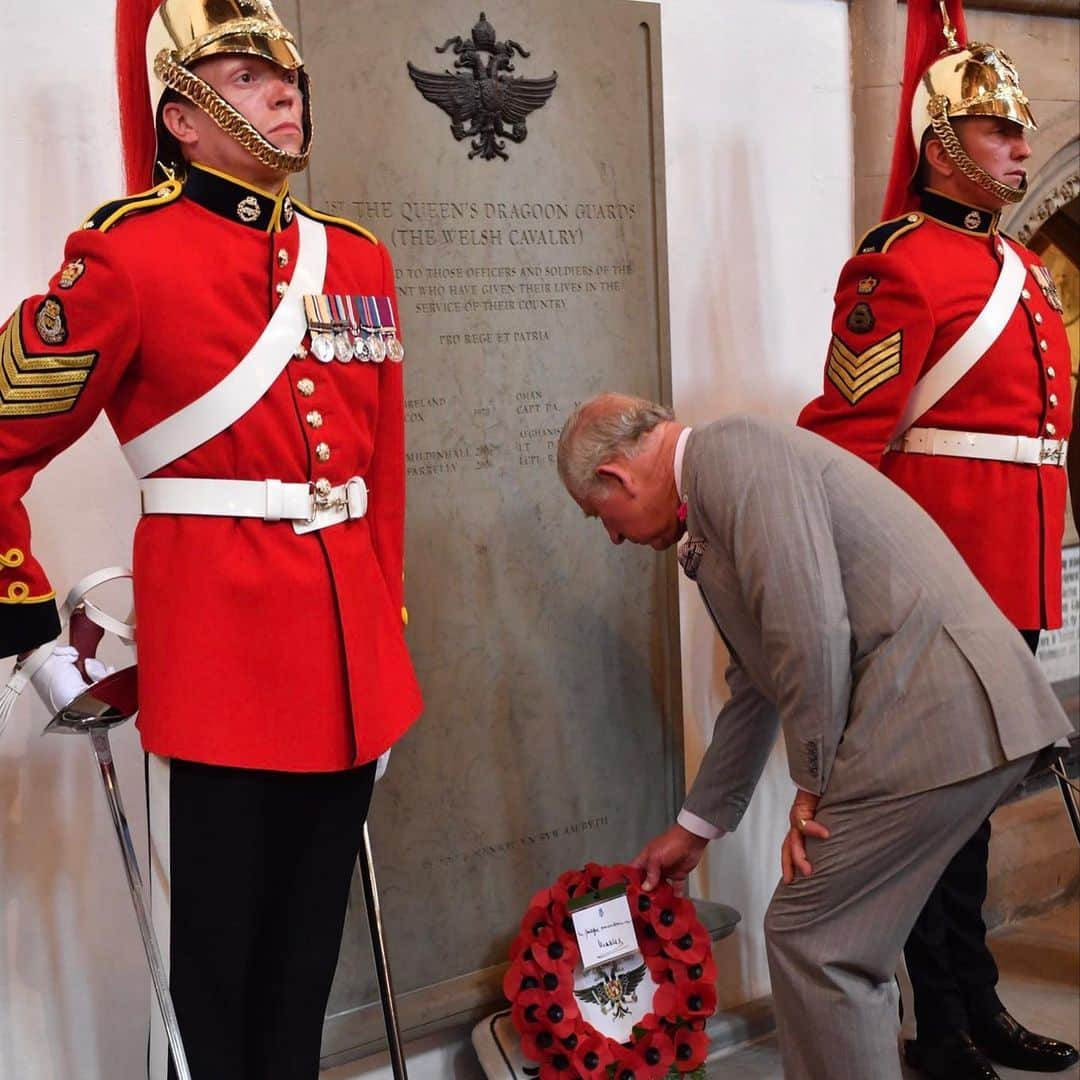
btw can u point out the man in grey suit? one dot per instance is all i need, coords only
(909, 705)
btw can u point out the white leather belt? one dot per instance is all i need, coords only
(307, 506)
(1021, 449)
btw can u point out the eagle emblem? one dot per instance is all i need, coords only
(484, 101)
(614, 993)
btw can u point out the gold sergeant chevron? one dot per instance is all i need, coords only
(38, 385)
(856, 374)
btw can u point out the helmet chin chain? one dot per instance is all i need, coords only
(204, 97)
(943, 130)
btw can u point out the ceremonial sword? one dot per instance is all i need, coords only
(114, 700)
(1068, 792)
(382, 963)
(108, 702)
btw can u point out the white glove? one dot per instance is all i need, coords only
(58, 681)
(380, 765)
(96, 669)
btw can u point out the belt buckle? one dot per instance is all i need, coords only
(1048, 456)
(354, 485)
(319, 492)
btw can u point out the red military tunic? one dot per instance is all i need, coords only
(912, 288)
(257, 647)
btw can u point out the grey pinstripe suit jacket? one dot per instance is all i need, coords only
(853, 624)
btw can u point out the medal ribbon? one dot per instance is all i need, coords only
(386, 314)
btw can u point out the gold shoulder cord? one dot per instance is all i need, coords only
(233, 123)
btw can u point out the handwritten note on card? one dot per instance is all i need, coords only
(604, 928)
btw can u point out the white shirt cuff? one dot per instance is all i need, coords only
(698, 826)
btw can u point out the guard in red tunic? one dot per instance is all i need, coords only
(246, 350)
(948, 369)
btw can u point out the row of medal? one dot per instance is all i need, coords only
(352, 328)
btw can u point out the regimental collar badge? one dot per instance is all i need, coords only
(248, 209)
(1049, 287)
(236, 201)
(71, 272)
(969, 219)
(484, 102)
(691, 551)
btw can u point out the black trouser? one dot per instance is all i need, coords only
(260, 867)
(953, 975)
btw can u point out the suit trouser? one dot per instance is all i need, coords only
(250, 873)
(952, 971)
(833, 939)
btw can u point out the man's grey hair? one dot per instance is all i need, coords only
(599, 430)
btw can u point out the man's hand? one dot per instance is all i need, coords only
(672, 855)
(793, 858)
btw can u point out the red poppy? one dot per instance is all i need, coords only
(648, 942)
(657, 1051)
(704, 971)
(629, 1065)
(521, 975)
(616, 875)
(534, 920)
(511, 983)
(685, 1000)
(569, 880)
(538, 1045)
(673, 919)
(559, 1012)
(662, 969)
(592, 1056)
(554, 949)
(649, 1022)
(696, 999)
(541, 899)
(558, 984)
(692, 947)
(528, 1011)
(560, 1066)
(691, 1046)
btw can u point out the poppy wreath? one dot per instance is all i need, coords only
(669, 1041)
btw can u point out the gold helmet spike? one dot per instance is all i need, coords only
(979, 80)
(947, 28)
(183, 32)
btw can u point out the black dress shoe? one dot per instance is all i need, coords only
(952, 1057)
(1008, 1042)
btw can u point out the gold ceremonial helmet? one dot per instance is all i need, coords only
(183, 32)
(979, 80)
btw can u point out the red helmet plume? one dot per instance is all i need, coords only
(137, 121)
(925, 43)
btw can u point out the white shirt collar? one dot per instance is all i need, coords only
(680, 448)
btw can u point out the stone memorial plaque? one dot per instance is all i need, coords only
(513, 164)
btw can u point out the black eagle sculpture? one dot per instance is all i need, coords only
(484, 102)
